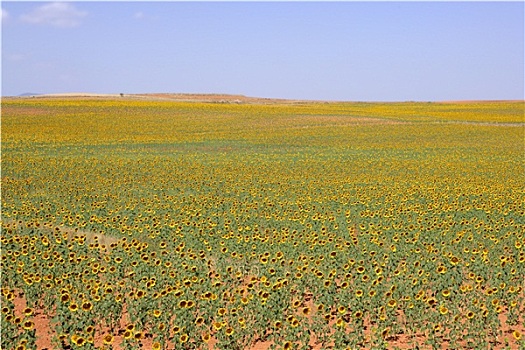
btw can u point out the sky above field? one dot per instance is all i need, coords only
(354, 51)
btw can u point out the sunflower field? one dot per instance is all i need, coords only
(156, 224)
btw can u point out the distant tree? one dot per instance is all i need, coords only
(121, 94)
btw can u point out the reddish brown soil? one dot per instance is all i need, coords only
(44, 335)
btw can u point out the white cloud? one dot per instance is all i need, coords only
(5, 15)
(57, 14)
(16, 57)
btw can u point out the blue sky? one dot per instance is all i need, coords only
(354, 51)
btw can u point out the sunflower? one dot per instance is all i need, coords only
(516, 334)
(306, 311)
(80, 341)
(73, 307)
(108, 339)
(392, 303)
(28, 325)
(431, 302)
(199, 321)
(183, 338)
(206, 337)
(443, 310)
(229, 331)
(341, 309)
(28, 311)
(217, 325)
(385, 332)
(157, 313)
(87, 305)
(128, 334)
(156, 346)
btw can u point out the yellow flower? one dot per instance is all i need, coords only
(199, 321)
(385, 332)
(306, 311)
(108, 339)
(28, 325)
(443, 310)
(87, 305)
(183, 338)
(28, 311)
(516, 334)
(80, 341)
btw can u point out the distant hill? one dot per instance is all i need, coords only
(25, 94)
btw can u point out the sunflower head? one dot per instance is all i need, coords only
(107, 339)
